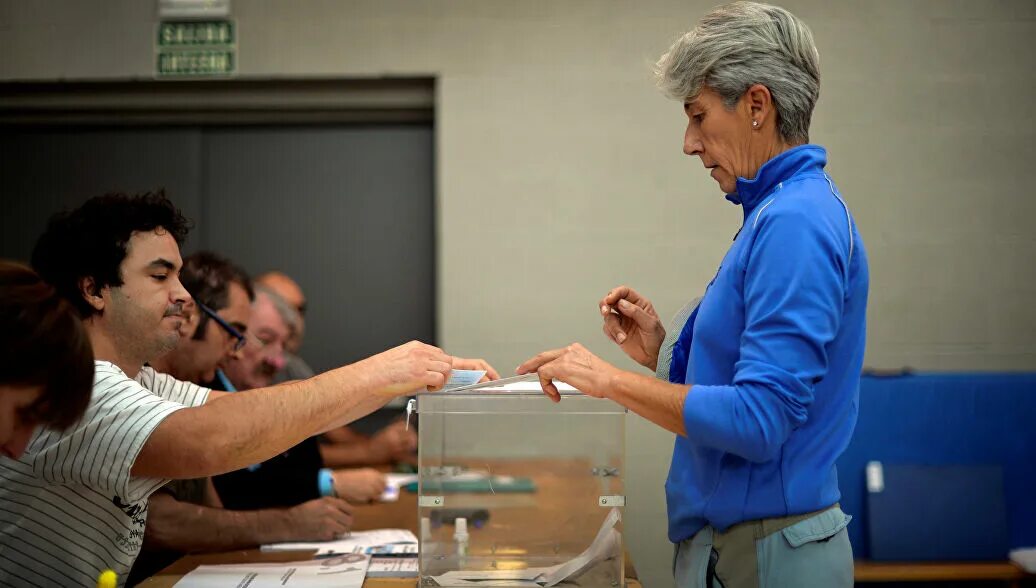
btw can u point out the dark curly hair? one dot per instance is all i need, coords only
(90, 241)
(43, 343)
(207, 276)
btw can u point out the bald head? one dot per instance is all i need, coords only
(286, 288)
(289, 290)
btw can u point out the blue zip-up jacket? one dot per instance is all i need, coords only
(773, 354)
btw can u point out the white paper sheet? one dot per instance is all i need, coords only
(515, 385)
(528, 574)
(389, 494)
(343, 571)
(459, 582)
(392, 567)
(605, 545)
(356, 542)
(461, 378)
(1025, 557)
(501, 383)
(393, 485)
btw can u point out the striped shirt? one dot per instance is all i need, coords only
(69, 508)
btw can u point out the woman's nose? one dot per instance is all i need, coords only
(691, 144)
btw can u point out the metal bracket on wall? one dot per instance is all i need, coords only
(612, 501)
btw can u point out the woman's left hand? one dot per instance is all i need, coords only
(573, 365)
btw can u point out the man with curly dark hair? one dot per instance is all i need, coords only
(76, 502)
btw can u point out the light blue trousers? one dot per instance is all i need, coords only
(811, 553)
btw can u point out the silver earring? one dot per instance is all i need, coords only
(755, 123)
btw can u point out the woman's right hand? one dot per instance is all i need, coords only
(631, 322)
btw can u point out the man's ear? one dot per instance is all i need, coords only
(90, 292)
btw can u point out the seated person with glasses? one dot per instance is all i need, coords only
(75, 502)
(295, 368)
(187, 516)
(342, 447)
(297, 475)
(213, 332)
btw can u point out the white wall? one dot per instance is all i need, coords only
(560, 173)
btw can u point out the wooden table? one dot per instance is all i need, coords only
(1004, 572)
(393, 515)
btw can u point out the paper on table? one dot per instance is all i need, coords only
(400, 479)
(393, 482)
(528, 574)
(459, 582)
(343, 571)
(393, 550)
(1025, 557)
(356, 542)
(392, 567)
(389, 494)
(605, 545)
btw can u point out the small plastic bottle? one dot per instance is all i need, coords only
(460, 535)
(426, 529)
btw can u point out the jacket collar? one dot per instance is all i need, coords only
(794, 161)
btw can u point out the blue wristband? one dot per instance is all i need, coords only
(326, 482)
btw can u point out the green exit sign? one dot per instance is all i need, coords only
(195, 48)
(205, 62)
(195, 33)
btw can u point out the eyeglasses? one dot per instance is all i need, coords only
(241, 339)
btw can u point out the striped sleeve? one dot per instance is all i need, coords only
(172, 389)
(99, 451)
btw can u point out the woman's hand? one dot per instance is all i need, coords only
(631, 322)
(573, 365)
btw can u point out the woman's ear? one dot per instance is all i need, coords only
(91, 292)
(760, 104)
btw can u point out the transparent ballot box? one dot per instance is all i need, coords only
(515, 490)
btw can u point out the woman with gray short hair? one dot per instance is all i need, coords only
(760, 380)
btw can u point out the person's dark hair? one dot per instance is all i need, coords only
(90, 241)
(207, 276)
(43, 343)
